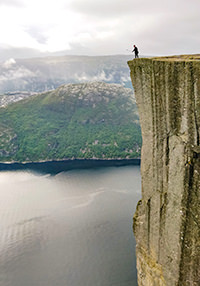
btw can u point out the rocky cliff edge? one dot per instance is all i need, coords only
(167, 219)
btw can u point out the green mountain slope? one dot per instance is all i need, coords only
(91, 120)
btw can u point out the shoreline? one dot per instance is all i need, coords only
(57, 166)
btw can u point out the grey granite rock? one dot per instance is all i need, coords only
(167, 219)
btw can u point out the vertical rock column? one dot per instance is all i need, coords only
(167, 219)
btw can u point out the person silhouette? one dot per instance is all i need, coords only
(135, 50)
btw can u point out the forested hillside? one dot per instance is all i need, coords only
(91, 120)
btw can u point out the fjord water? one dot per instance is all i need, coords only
(71, 229)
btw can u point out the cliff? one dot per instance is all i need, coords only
(167, 219)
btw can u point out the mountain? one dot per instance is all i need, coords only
(47, 73)
(89, 120)
(14, 96)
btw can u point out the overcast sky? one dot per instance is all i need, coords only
(102, 27)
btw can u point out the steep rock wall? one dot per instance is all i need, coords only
(167, 219)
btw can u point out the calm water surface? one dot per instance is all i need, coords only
(71, 229)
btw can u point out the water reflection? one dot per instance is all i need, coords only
(71, 229)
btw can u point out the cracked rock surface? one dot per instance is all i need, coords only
(167, 219)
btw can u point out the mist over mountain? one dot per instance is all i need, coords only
(47, 73)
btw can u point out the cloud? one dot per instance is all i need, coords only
(158, 27)
(172, 34)
(17, 73)
(119, 8)
(102, 8)
(101, 76)
(38, 33)
(101, 27)
(16, 3)
(7, 64)
(7, 52)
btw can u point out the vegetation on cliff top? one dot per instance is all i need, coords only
(92, 120)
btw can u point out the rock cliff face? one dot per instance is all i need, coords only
(167, 219)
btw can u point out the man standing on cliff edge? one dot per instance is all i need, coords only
(136, 51)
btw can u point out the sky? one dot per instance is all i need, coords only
(101, 27)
